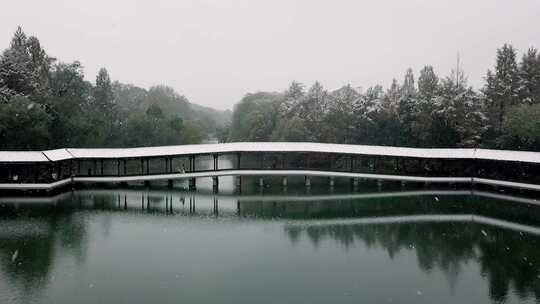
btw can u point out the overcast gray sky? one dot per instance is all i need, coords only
(214, 51)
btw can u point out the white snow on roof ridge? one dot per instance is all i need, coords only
(157, 151)
(22, 156)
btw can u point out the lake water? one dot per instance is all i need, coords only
(371, 246)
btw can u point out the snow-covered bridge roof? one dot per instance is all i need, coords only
(74, 153)
(22, 156)
(271, 147)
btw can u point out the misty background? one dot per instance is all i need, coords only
(214, 52)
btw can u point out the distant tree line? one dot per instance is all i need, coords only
(45, 103)
(428, 111)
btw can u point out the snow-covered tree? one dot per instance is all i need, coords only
(342, 109)
(24, 68)
(407, 108)
(502, 87)
(291, 99)
(529, 77)
(460, 119)
(408, 89)
(428, 83)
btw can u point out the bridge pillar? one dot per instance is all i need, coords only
(238, 181)
(215, 183)
(216, 163)
(192, 184)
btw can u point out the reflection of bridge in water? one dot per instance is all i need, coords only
(446, 229)
(51, 169)
(327, 209)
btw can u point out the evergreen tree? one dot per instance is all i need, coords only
(342, 111)
(67, 104)
(102, 94)
(408, 89)
(428, 83)
(291, 99)
(16, 74)
(311, 110)
(502, 87)
(103, 113)
(459, 116)
(529, 77)
(407, 109)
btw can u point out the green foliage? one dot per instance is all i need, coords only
(293, 129)
(428, 83)
(440, 112)
(522, 127)
(529, 77)
(23, 125)
(254, 117)
(502, 87)
(47, 104)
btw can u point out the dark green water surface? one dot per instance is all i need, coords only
(135, 246)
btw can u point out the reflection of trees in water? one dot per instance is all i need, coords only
(45, 233)
(508, 259)
(442, 246)
(387, 206)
